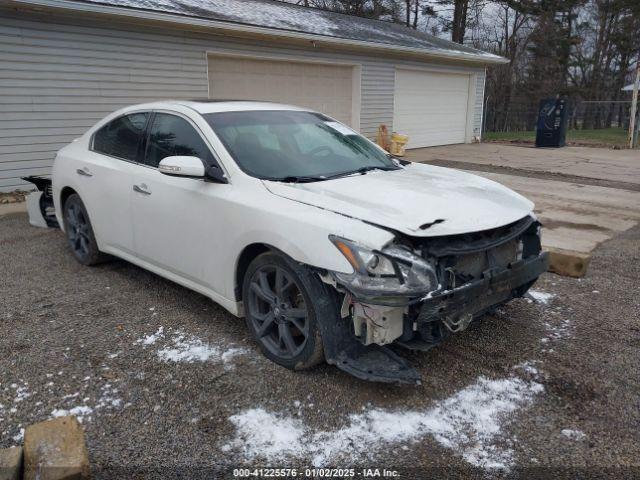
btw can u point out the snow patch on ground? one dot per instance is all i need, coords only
(528, 367)
(192, 349)
(186, 349)
(229, 354)
(260, 433)
(470, 423)
(541, 297)
(560, 330)
(80, 412)
(108, 398)
(18, 437)
(189, 348)
(573, 434)
(557, 329)
(21, 392)
(150, 339)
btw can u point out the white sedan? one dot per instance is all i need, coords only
(329, 247)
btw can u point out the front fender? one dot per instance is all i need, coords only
(307, 241)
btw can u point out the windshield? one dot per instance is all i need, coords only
(295, 146)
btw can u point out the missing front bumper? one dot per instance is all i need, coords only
(453, 308)
(458, 305)
(40, 203)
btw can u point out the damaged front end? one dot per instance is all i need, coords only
(416, 291)
(40, 203)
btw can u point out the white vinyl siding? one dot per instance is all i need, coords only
(478, 108)
(57, 80)
(59, 75)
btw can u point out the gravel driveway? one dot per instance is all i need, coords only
(168, 383)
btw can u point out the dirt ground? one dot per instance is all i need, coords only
(582, 196)
(169, 385)
(588, 166)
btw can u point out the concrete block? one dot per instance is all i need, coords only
(11, 463)
(55, 450)
(568, 263)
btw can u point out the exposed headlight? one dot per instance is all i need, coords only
(388, 276)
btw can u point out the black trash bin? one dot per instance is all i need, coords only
(551, 129)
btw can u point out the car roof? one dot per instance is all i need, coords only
(214, 106)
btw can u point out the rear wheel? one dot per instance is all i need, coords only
(79, 232)
(280, 313)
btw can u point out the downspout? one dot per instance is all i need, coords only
(484, 106)
(634, 107)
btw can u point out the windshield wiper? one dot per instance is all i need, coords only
(299, 179)
(401, 161)
(321, 178)
(374, 167)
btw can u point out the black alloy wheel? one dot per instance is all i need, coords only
(79, 232)
(280, 313)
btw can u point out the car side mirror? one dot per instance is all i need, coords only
(213, 173)
(182, 166)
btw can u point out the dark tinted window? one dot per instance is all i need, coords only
(121, 137)
(171, 135)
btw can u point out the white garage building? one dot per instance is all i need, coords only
(64, 64)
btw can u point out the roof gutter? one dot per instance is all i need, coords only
(131, 13)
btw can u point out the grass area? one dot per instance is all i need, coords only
(602, 136)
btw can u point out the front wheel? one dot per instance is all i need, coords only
(79, 232)
(280, 312)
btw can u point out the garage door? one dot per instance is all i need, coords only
(324, 88)
(431, 107)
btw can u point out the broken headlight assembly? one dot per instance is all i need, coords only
(391, 276)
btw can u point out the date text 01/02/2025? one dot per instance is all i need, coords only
(315, 473)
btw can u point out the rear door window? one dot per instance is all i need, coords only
(171, 135)
(121, 137)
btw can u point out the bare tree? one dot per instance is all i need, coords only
(584, 49)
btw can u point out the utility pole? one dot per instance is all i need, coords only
(634, 105)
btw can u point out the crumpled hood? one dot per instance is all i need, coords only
(413, 197)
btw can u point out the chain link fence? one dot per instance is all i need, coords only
(589, 122)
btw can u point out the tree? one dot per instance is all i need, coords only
(375, 9)
(602, 61)
(585, 49)
(459, 23)
(508, 34)
(454, 15)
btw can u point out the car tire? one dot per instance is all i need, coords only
(302, 348)
(79, 232)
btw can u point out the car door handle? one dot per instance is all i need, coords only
(141, 189)
(84, 172)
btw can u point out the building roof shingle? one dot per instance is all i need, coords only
(286, 17)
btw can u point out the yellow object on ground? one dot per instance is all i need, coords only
(398, 143)
(382, 138)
